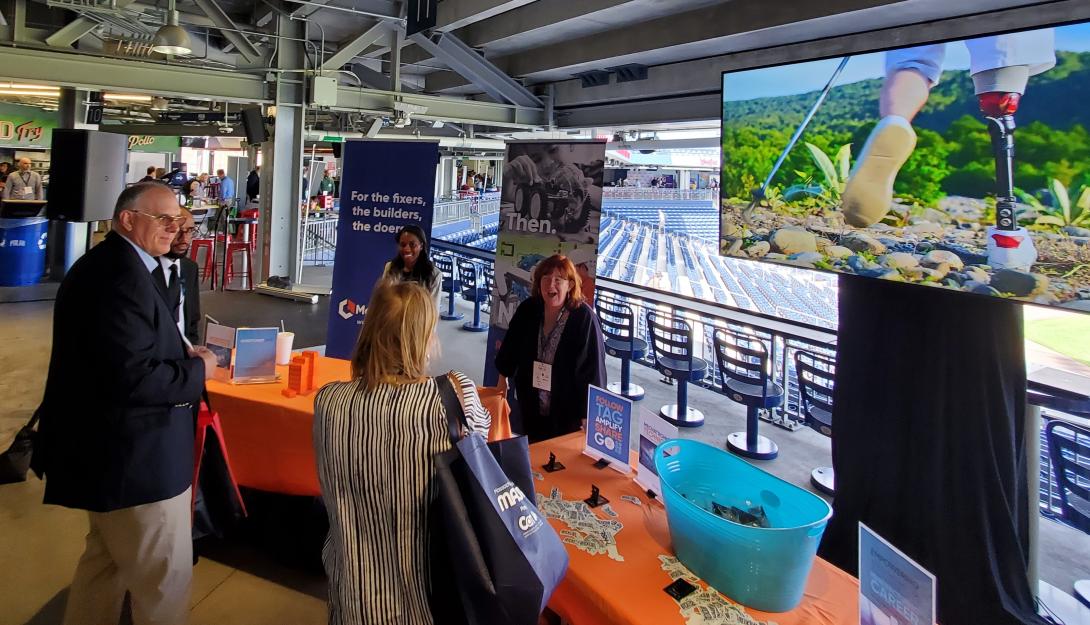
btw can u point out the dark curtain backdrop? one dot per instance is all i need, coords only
(927, 443)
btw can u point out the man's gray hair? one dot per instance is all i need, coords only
(131, 195)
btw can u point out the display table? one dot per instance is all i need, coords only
(599, 590)
(269, 435)
(270, 444)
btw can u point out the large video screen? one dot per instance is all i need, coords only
(962, 165)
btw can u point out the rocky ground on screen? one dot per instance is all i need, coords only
(941, 247)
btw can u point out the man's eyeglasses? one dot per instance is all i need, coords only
(187, 232)
(165, 221)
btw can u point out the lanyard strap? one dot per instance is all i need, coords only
(542, 340)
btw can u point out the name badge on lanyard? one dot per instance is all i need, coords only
(543, 376)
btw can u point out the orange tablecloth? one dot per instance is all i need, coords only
(600, 591)
(269, 435)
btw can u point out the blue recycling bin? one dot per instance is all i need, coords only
(22, 250)
(764, 568)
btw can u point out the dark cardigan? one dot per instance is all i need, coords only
(579, 362)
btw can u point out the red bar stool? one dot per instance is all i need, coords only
(240, 247)
(208, 245)
(252, 228)
(210, 420)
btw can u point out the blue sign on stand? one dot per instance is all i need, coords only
(892, 587)
(385, 185)
(609, 427)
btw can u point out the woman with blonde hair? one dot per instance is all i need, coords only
(375, 439)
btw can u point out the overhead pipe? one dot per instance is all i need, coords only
(321, 6)
(446, 142)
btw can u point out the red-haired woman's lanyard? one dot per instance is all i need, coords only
(546, 351)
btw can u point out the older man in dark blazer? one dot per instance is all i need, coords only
(116, 431)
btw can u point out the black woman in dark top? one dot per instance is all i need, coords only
(554, 350)
(412, 263)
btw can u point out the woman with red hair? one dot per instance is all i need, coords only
(554, 351)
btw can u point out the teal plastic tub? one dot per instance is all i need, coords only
(764, 568)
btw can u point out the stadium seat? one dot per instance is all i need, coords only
(743, 366)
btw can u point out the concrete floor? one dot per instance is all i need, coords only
(243, 580)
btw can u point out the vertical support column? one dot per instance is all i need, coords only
(279, 235)
(452, 182)
(397, 39)
(18, 29)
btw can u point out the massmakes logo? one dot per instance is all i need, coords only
(510, 496)
(348, 309)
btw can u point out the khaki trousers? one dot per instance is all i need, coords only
(146, 550)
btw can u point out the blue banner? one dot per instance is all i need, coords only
(385, 185)
(609, 427)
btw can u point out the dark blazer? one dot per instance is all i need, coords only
(579, 362)
(116, 424)
(191, 287)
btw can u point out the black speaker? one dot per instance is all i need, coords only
(338, 149)
(254, 125)
(86, 174)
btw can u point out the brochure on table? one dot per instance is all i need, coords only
(609, 428)
(892, 587)
(243, 355)
(653, 430)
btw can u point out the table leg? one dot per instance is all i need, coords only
(224, 216)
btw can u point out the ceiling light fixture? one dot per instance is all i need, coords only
(171, 38)
(15, 85)
(44, 94)
(127, 97)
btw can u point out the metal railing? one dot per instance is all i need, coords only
(319, 244)
(655, 193)
(782, 338)
(453, 209)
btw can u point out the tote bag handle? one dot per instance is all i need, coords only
(456, 416)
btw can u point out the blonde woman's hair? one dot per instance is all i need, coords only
(397, 335)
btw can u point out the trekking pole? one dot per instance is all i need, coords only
(759, 194)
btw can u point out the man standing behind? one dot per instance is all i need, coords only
(182, 289)
(326, 186)
(116, 430)
(150, 177)
(24, 184)
(227, 189)
(253, 184)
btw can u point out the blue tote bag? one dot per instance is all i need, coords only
(495, 559)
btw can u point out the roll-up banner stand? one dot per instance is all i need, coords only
(551, 203)
(385, 185)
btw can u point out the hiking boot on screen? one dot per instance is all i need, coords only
(869, 193)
